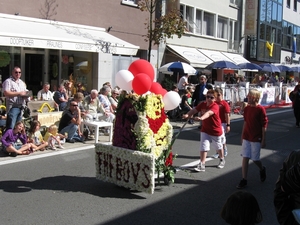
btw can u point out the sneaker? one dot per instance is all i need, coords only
(221, 164)
(242, 184)
(225, 152)
(200, 168)
(60, 146)
(70, 140)
(53, 148)
(263, 174)
(215, 156)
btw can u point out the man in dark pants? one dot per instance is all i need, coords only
(200, 91)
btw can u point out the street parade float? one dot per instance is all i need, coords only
(142, 137)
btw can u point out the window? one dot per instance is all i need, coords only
(190, 18)
(198, 23)
(208, 24)
(288, 3)
(295, 5)
(222, 28)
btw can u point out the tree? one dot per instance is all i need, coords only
(159, 27)
(49, 9)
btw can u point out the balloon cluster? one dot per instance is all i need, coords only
(140, 78)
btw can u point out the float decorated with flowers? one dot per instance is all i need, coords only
(142, 138)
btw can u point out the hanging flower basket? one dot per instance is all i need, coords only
(4, 58)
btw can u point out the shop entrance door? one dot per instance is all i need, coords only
(34, 64)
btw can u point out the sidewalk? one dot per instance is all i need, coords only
(78, 146)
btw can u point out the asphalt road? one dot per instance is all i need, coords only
(61, 188)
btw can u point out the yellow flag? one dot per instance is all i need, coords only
(270, 48)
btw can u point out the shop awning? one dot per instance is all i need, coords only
(236, 58)
(215, 55)
(47, 34)
(192, 55)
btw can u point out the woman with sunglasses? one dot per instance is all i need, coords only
(211, 130)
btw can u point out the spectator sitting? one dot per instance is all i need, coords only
(114, 99)
(70, 123)
(10, 144)
(45, 93)
(78, 97)
(103, 97)
(35, 136)
(93, 106)
(61, 98)
(82, 89)
(53, 138)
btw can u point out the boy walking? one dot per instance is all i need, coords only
(253, 136)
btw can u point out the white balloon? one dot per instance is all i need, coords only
(171, 100)
(124, 79)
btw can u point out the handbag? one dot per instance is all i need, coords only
(26, 111)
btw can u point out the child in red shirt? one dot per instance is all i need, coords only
(253, 136)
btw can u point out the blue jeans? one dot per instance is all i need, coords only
(14, 115)
(71, 129)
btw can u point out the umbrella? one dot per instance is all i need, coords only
(177, 67)
(222, 65)
(249, 66)
(296, 69)
(267, 67)
(284, 68)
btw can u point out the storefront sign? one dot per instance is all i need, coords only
(251, 17)
(22, 42)
(124, 167)
(55, 44)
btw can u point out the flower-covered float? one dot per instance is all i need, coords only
(142, 139)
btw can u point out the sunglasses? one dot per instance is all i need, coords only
(17, 72)
(75, 105)
(211, 97)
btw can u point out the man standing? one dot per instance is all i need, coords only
(200, 90)
(183, 82)
(70, 122)
(15, 92)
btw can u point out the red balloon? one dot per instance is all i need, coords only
(141, 83)
(156, 88)
(164, 91)
(142, 66)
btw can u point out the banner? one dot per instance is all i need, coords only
(125, 167)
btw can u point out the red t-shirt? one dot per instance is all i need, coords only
(224, 108)
(255, 118)
(212, 125)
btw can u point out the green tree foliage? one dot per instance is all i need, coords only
(159, 27)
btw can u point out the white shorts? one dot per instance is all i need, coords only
(206, 139)
(224, 126)
(251, 150)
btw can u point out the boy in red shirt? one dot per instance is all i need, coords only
(211, 130)
(253, 136)
(225, 118)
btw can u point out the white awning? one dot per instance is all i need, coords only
(236, 58)
(215, 55)
(47, 34)
(192, 55)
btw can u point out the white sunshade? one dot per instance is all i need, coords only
(236, 58)
(192, 55)
(214, 55)
(38, 33)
